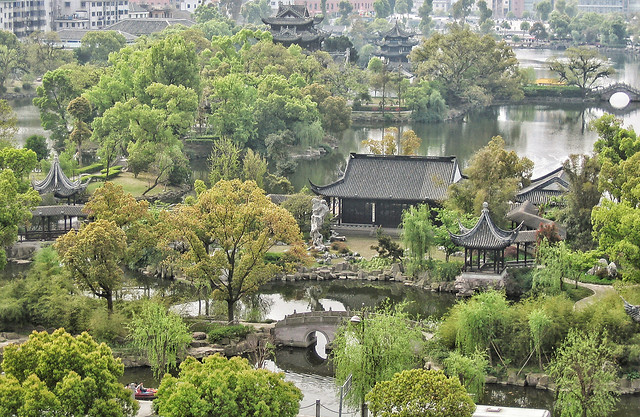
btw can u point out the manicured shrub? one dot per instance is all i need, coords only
(340, 247)
(218, 332)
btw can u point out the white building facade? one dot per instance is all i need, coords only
(26, 16)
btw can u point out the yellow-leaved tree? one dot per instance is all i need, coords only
(223, 237)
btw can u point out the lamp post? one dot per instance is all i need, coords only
(356, 321)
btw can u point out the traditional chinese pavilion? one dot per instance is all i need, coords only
(59, 184)
(395, 46)
(485, 237)
(376, 189)
(293, 24)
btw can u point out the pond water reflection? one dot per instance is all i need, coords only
(277, 299)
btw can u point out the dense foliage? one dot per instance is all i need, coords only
(161, 335)
(230, 387)
(223, 247)
(420, 393)
(57, 374)
(467, 67)
(584, 372)
(374, 349)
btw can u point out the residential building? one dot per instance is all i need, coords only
(362, 7)
(81, 14)
(603, 6)
(25, 16)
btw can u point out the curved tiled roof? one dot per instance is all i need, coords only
(542, 189)
(58, 183)
(287, 21)
(397, 32)
(59, 210)
(527, 214)
(394, 177)
(485, 234)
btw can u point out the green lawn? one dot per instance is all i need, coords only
(130, 184)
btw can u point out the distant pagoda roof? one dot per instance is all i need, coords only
(397, 32)
(544, 188)
(293, 24)
(485, 234)
(58, 183)
(394, 177)
(292, 14)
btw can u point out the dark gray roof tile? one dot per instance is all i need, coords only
(392, 177)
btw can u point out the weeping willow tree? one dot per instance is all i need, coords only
(538, 323)
(418, 234)
(470, 370)
(162, 335)
(374, 349)
(481, 321)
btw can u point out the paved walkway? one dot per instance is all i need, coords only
(599, 291)
(146, 410)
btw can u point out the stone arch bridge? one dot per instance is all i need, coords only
(299, 329)
(606, 92)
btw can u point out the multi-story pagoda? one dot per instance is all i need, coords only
(395, 47)
(293, 24)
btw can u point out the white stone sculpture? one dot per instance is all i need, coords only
(319, 209)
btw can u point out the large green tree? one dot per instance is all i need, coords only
(583, 172)
(420, 393)
(15, 208)
(226, 387)
(374, 349)
(467, 67)
(96, 46)
(225, 236)
(582, 66)
(616, 229)
(93, 256)
(418, 234)
(494, 175)
(60, 375)
(585, 372)
(16, 196)
(12, 59)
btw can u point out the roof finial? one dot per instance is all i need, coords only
(485, 206)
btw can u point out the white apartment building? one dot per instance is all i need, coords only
(25, 16)
(80, 14)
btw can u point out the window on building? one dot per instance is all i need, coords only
(67, 4)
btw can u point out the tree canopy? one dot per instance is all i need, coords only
(93, 256)
(467, 67)
(583, 67)
(16, 196)
(420, 393)
(494, 175)
(585, 372)
(58, 374)
(225, 236)
(161, 334)
(231, 387)
(374, 349)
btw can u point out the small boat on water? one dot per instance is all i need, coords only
(145, 394)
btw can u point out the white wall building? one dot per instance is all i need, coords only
(25, 16)
(80, 14)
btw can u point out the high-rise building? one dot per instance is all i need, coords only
(604, 6)
(24, 17)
